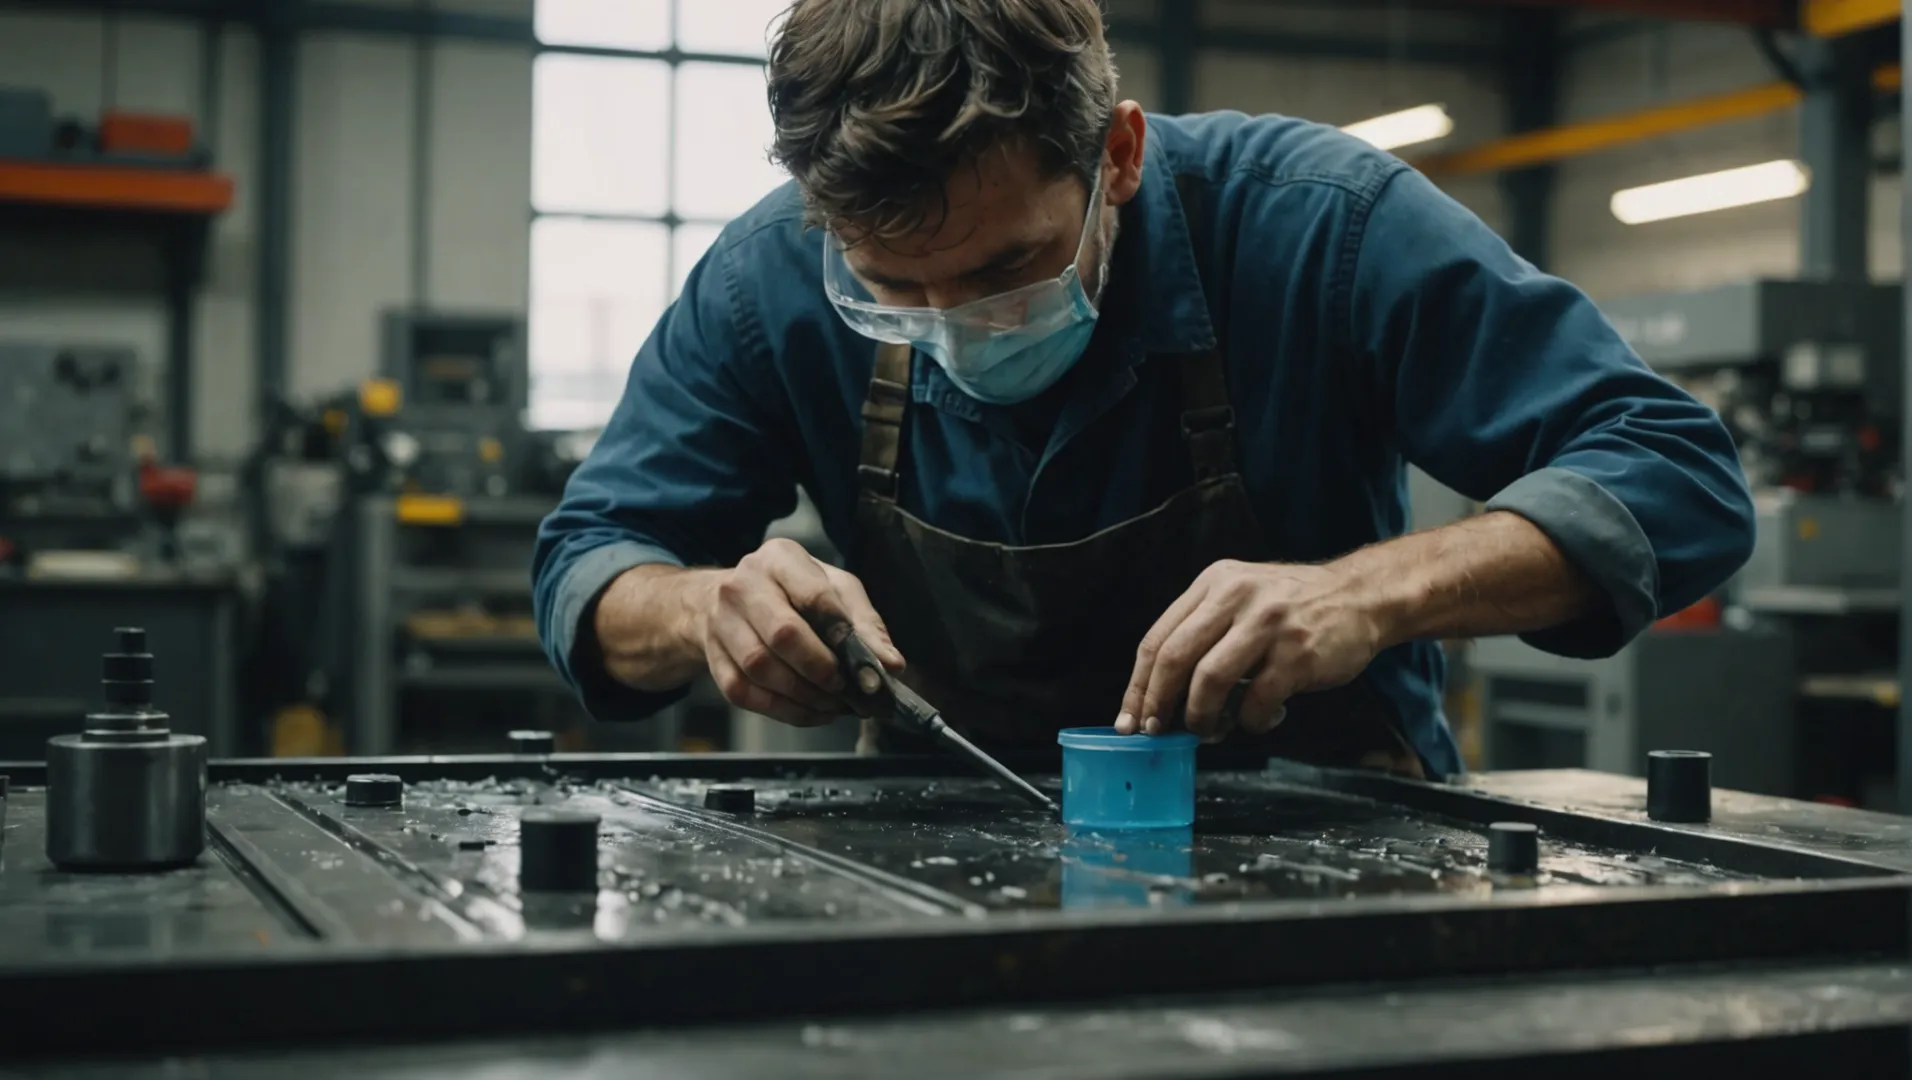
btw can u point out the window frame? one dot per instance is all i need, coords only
(674, 58)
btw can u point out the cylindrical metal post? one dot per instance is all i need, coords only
(533, 742)
(1679, 785)
(1513, 847)
(125, 805)
(374, 790)
(126, 793)
(557, 851)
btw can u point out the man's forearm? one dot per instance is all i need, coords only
(1496, 573)
(650, 625)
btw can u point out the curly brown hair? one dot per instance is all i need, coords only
(878, 102)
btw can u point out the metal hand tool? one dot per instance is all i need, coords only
(873, 691)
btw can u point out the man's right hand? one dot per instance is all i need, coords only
(750, 627)
(760, 643)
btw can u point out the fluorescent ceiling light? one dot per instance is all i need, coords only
(1711, 191)
(1423, 123)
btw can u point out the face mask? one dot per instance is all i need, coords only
(1001, 349)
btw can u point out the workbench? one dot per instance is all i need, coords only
(887, 917)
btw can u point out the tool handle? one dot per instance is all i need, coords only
(867, 685)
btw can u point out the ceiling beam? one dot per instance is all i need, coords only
(1771, 14)
(1527, 149)
(1587, 136)
(1836, 18)
(1821, 18)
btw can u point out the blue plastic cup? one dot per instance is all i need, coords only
(1112, 781)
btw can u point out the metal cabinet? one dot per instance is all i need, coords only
(1730, 692)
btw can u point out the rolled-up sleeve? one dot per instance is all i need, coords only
(686, 473)
(1509, 386)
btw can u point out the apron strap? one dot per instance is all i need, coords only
(883, 420)
(1208, 422)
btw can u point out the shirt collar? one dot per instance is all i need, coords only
(1154, 278)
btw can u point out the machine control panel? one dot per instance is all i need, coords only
(65, 417)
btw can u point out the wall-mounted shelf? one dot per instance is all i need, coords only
(173, 205)
(115, 188)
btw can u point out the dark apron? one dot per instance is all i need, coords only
(1015, 643)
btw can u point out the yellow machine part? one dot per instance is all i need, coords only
(380, 397)
(420, 509)
(303, 731)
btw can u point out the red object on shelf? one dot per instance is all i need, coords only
(146, 133)
(166, 488)
(1701, 616)
(112, 187)
(1834, 800)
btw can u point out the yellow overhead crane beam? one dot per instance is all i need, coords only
(1574, 140)
(1591, 136)
(1836, 18)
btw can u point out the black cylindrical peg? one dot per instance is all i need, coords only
(1679, 786)
(1513, 847)
(557, 851)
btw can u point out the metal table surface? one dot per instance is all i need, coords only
(894, 917)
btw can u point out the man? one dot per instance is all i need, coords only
(1108, 414)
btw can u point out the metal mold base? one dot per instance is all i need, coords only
(917, 893)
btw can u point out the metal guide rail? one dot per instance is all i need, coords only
(816, 903)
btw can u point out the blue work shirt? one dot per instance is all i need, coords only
(1368, 321)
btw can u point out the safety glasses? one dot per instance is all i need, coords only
(1042, 306)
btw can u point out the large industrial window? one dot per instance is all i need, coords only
(649, 132)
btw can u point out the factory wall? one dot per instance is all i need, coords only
(360, 153)
(1330, 90)
(1672, 62)
(1342, 91)
(1608, 73)
(357, 152)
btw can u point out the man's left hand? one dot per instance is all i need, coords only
(1285, 628)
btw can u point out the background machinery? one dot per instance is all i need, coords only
(403, 514)
(1785, 671)
(89, 535)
